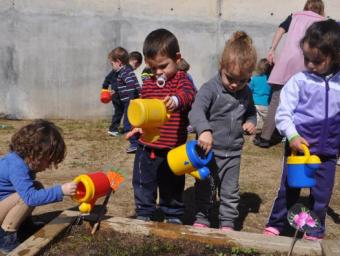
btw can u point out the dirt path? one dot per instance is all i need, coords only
(91, 149)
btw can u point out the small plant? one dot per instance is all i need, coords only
(302, 219)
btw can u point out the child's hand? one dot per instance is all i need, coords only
(69, 189)
(170, 103)
(133, 132)
(205, 141)
(295, 144)
(249, 127)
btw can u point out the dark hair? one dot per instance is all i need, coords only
(136, 56)
(324, 36)
(239, 50)
(263, 67)
(38, 141)
(119, 53)
(160, 41)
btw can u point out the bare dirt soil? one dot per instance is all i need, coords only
(90, 149)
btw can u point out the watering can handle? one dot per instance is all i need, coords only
(305, 151)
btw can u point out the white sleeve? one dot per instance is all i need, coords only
(289, 99)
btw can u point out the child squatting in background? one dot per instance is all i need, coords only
(223, 110)
(34, 148)
(135, 60)
(261, 91)
(309, 113)
(151, 170)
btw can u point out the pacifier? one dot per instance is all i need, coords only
(161, 80)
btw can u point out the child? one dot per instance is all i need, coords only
(34, 148)
(135, 60)
(261, 91)
(185, 66)
(309, 113)
(223, 110)
(127, 88)
(151, 170)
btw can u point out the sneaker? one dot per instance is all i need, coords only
(114, 134)
(131, 149)
(143, 218)
(338, 162)
(8, 241)
(312, 238)
(262, 143)
(200, 225)
(226, 229)
(173, 220)
(271, 231)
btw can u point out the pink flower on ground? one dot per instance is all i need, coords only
(302, 219)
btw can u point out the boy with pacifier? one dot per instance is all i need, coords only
(151, 170)
(34, 148)
(223, 110)
(309, 114)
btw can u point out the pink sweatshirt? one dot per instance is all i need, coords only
(290, 60)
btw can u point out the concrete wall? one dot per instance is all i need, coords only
(53, 54)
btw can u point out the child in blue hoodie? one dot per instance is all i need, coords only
(34, 148)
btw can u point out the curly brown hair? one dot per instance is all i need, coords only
(239, 51)
(38, 141)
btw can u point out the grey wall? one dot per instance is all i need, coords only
(53, 54)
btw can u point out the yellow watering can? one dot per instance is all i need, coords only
(301, 169)
(148, 114)
(185, 159)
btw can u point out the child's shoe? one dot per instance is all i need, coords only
(226, 229)
(131, 149)
(143, 218)
(262, 143)
(312, 238)
(8, 241)
(271, 231)
(200, 225)
(338, 162)
(173, 220)
(113, 133)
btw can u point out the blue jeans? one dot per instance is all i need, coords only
(152, 173)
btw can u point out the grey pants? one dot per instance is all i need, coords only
(269, 123)
(224, 180)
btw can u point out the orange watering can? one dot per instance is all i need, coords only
(105, 96)
(92, 186)
(148, 114)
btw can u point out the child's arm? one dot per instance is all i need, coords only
(249, 125)
(185, 93)
(284, 118)
(132, 87)
(25, 187)
(69, 188)
(198, 116)
(108, 80)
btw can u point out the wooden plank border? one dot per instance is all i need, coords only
(259, 242)
(38, 241)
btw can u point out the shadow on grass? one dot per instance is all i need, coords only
(249, 202)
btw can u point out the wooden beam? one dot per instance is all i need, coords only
(259, 242)
(330, 247)
(35, 243)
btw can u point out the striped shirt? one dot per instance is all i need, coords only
(174, 132)
(127, 84)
